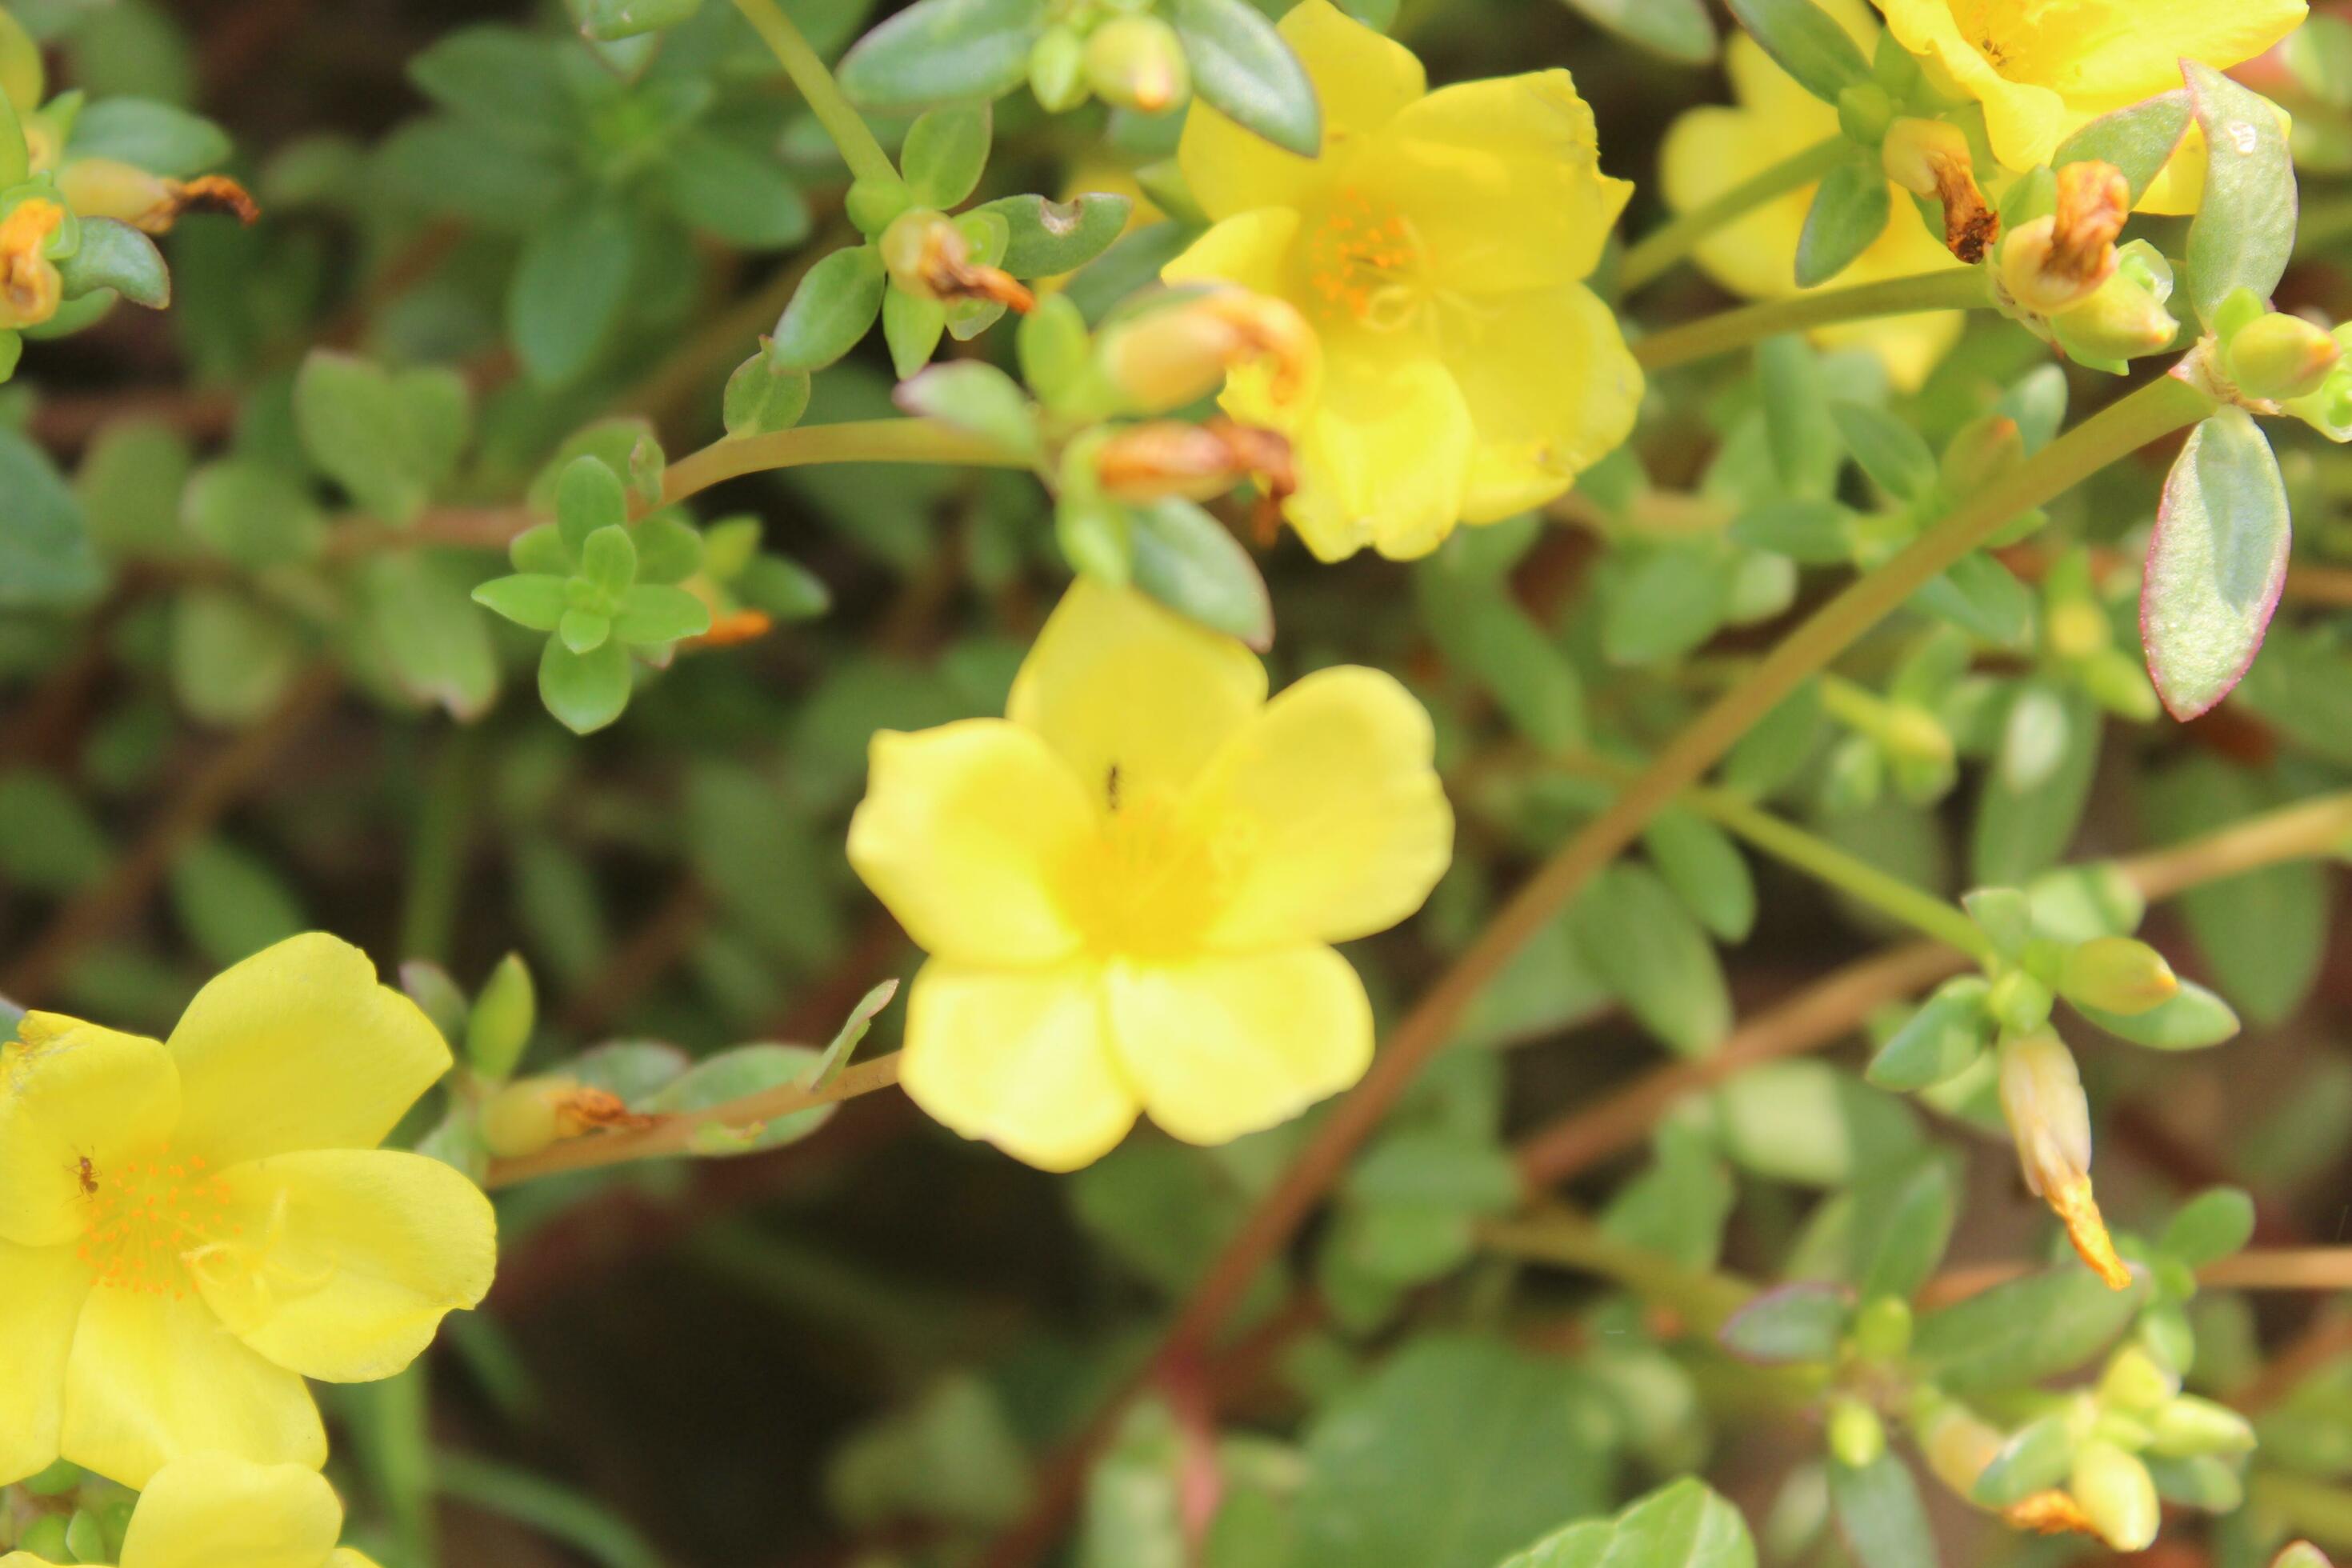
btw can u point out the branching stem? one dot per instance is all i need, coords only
(859, 149)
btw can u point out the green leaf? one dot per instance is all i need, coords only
(733, 1074)
(1798, 428)
(1811, 1124)
(1800, 1322)
(1902, 1219)
(1049, 237)
(2245, 232)
(1851, 208)
(783, 589)
(499, 1025)
(831, 309)
(2138, 141)
(1682, 1525)
(653, 613)
(589, 499)
(571, 290)
(1803, 41)
(941, 51)
(2209, 1227)
(1661, 603)
(116, 256)
(585, 691)
(1879, 1513)
(253, 512)
(45, 558)
(944, 153)
(2034, 796)
(1706, 869)
(130, 483)
(1455, 1453)
(2190, 1020)
(2216, 563)
(2036, 1457)
(2023, 1331)
(49, 841)
(156, 137)
(230, 661)
(355, 424)
(763, 396)
(1778, 746)
(231, 902)
(1490, 640)
(1185, 559)
(738, 194)
(437, 647)
(608, 559)
(1678, 31)
(1983, 598)
(1942, 1038)
(1243, 68)
(1812, 532)
(610, 21)
(974, 395)
(504, 80)
(1889, 450)
(1640, 939)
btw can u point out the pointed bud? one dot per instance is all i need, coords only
(931, 259)
(2188, 1426)
(2134, 1382)
(1146, 462)
(1930, 158)
(500, 1027)
(1058, 69)
(1956, 1443)
(1138, 62)
(2301, 1554)
(2118, 974)
(2049, 1118)
(2123, 321)
(532, 1113)
(2117, 1495)
(1161, 359)
(2329, 409)
(2282, 357)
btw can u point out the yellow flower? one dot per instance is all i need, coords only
(1129, 885)
(213, 1510)
(188, 1231)
(2043, 67)
(1438, 246)
(1710, 150)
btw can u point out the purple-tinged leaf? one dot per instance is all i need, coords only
(2244, 231)
(1799, 1322)
(2215, 563)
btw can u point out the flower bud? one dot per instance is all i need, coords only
(2329, 410)
(1931, 158)
(532, 1113)
(2116, 1494)
(2134, 1383)
(1161, 359)
(1058, 69)
(1138, 62)
(1881, 1329)
(2118, 974)
(500, 1026)
(2019, 1002)
(2282, 357)
(1857, 1437)
(875, 205)
(2126, 318)
(2301, 1554)
(2188, 1426)
(30, 288)
(2041, 1097)
(2055, 263)
(1146, 462)
(927, 256)
(107, 187)
(1956, 1444)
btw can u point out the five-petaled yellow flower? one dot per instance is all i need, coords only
(1710, 149)
(2043, 67)
(1438, 245)
(217, 1510)
(189, 1230)
(1129, 885)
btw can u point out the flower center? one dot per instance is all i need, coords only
(149, 1220)
(1364, 262)
(2034, 41)
(1150, 881)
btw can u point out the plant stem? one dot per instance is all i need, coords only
(1949, 289)
(1650, 257)
(1704, 1302)
(847, 128)
(851, 441)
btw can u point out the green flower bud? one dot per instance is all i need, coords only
(2019, 1002)
(2116, 1494)
(2116, 974)
(1057, 69)
(2135, 1384)
(2301, 1554)
(1138, 62)
(1857, 1437)
(2188, 1426)
(2122, 320)
(2282, 357)
(500, 1025)
(1881, 1329)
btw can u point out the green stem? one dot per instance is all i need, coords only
(1949, 289)
(1650, 257)
(1850, 874)
(1562, 1237)
(851, 441)
(848, 130)
(437, 854)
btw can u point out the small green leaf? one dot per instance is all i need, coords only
(2138, 141)
(583, 631)
(1944, 1038)
(2190, 1020)
(2023, 1331)
(831, 309)
(1663, 602)
(610, 21)
(2245, 232)
(2033, 800)
(974, 395)
(1682, 1525)
(156, 137)
(588, 500)
(585, 691)
(765, 395)
(1638, 939)
(1800, 1322)
(1813, 532)
(532, 600)
(738, 194)
(944, 153)
(2216, 563)
(1185, 559)
(1902, 1221)
(230, 661)
(45, 558)
(499, 1026)
(1678, 31)
(571, 290)
(437, 648)
(1879, 1513)
(1484, 634)
(1889, 450)
(253, 512)
(1706, 869)
(653, 613)
(2036, 1457)
(608, 558)
(1849, 210)
(354, 424)
(1046, 238)
(1983, 598)
(732, 1075)
(501, 79)
(118, 257)
(2209, 1227)
(944, 51)
(1807, 44)
(1243, 68)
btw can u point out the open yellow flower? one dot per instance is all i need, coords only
(1438, 245)
(1129, 885)
(2043, 67)
(189, 1230)
(1711, 149)
(215, 1510)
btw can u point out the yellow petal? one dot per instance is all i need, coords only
(152, 1379)
(299, 1047)
(1384, 459)
(1500, 182)
(1251, 249)
(1115, 681)
(41, 1295)
(81, 1093)
(2127, 52)
(1019, 1058)
(1219, 1047)
(2026, 118)
(1360, 78)
(217, 1510)
(965, 832)
(1551, 390)
(1340, 823)
(25, 1560)
(347, 1259)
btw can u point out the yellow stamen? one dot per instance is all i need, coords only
(2079, 1211)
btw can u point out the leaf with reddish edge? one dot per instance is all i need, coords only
(2215, 564)
(2245, 232)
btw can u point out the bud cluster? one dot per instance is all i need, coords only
(2063, 275)
(1119, 53)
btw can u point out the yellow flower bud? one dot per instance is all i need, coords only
(1931, 158)
(1165, 358)
(2188, 1426)
(928, 256)
(1138, 62)
(1857, 1437)
(1956, 1444)
(2116, 974)
(2041, 1096)
(2116, 1494)
(531, 1113)
(108, 187)
(2280, 356)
